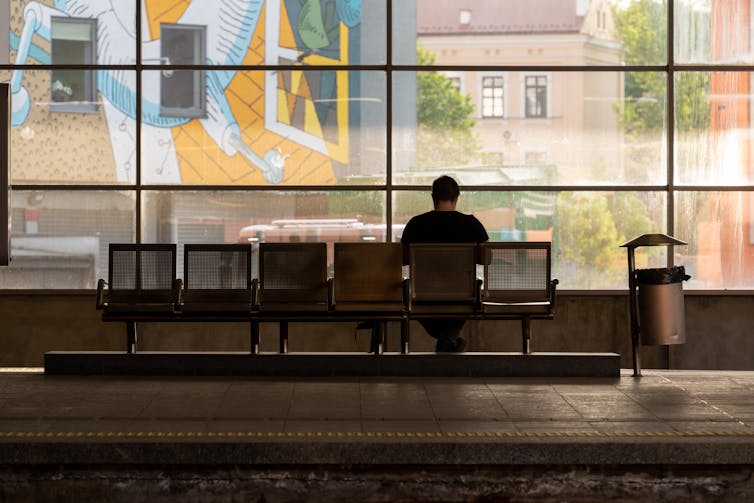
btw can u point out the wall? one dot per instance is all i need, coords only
(717, 333)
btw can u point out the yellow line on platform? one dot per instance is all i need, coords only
(369, 435)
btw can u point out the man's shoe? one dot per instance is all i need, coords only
(445, 346)
(460, 345)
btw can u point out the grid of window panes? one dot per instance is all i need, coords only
(570, 122)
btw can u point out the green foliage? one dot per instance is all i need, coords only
(588, 239)
(363, 204)
(445, 133)
(630, 215)
(642, 29)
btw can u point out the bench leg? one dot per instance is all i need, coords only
(404, 336)
(254, 337)
(526, 335)
(283, 337)
(130, 337)
(380, 328)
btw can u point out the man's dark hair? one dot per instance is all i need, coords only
(445, 189)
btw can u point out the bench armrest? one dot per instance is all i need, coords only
(255, 294)
(553, 287)
(101, 293)
(330, 294)
(177, 293)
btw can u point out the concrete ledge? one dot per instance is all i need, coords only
(334, 364)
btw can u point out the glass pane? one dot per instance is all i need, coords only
(718, 229)
(278, 127)
(713, 128)
(530, 32)
(61, 238)
(713, 31)
(319, 32)
(30, 27)
(556, 128)
(93, 145)
(586, 228)
(266, 216)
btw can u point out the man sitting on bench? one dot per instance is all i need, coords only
(444, 225)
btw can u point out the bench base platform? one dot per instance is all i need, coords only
(340, 364)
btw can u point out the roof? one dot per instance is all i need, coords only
(435, 17)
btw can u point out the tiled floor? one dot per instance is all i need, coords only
(660, 402)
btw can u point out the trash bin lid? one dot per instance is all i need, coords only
(662, 275)
(653, 240)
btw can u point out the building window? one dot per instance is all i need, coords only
(182, 92)
(536, 95)
(73, 43)
(492, 96)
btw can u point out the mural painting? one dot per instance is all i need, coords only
(254, 127)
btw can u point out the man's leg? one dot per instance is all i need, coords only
(447, 333)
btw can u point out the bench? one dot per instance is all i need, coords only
(293, 285)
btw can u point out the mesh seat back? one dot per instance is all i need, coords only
(141, 273)
(217, 273)
(516, 272)
(443, 272)
(292, 273)
(368, 273)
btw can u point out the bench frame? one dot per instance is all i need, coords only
(488, 304)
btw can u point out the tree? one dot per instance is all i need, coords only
(445, 133)
(642, 29)
(588, 242)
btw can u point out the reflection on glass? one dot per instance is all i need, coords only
(306, 127)
(586, 228)
(713, 128)
(530, 128)
(532, 33)
(719, 232)
(712, 31)
(232, 217)
(50, 147)
(61, 238)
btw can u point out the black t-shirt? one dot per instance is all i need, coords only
(444, 227)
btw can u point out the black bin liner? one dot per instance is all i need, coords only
(662, 275)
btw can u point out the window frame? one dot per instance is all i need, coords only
(503, 99)
(90, 105)
(669, 68)
(199, 109)
(525, 94)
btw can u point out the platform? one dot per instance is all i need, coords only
(666, 436)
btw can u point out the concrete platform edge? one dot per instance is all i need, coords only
(333, 364)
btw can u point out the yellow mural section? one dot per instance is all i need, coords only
(202, 161)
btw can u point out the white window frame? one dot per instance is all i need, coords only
(548, 105)
(480, 94)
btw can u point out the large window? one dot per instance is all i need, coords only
(290, 120)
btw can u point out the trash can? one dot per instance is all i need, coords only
(661, 310)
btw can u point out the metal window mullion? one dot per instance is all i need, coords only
(389, 122)
(670, 140)
(137, 133)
